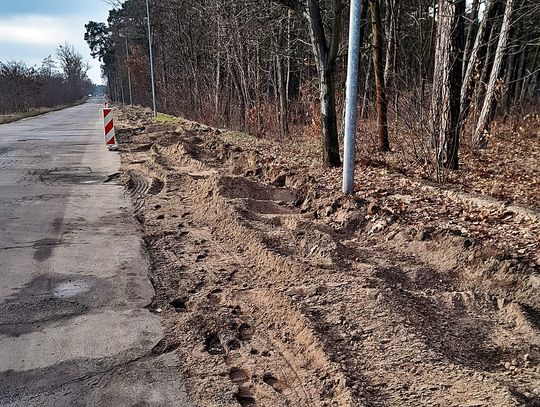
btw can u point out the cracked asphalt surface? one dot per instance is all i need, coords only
(74, 330)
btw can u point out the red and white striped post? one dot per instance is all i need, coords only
(110, 139)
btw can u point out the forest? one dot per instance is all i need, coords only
(55, 83)
(275, 288)
(434, 74)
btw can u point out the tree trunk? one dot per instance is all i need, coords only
(523, 76)
(288, 52)
(282, 92)
(363, 111)
(447, 80)
(467, 87)
(471, 32)
(390, 23)
(258, 89)
(381, 103)
(534, 78)
(325, 60)
(479, 137)
(329, 117)
(509, 75)
(485, 73)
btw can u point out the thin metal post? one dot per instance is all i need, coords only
(151, 59)
(129, 73)
(351, 95)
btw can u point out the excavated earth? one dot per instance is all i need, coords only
(276, 290)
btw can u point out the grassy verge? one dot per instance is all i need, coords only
(13, 117)
(167, 118)
(231, 136)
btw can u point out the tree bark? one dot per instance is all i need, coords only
(509, 75)
(467, 86)
(479, 137)
(258, 89)
(282, 92)
(389, 23)
(381, 102)
(471, 32)
(363, 110)
(447, 80)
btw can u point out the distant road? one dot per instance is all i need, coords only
(74, 330)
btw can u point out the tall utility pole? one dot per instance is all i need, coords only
(349, 153)
(151, 59)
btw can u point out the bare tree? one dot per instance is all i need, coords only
(274, 67)
(326, 52)
(473, 59)
(74, 68)
(479, 136)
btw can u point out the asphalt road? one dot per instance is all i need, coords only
(74, 330)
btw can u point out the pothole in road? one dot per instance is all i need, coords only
(72, 175)
(71, 289)
(49, 298)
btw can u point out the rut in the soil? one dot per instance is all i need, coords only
(272, 307)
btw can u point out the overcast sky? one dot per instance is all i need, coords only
(30, 30)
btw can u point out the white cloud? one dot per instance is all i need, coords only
(33, 37)
(37, 30)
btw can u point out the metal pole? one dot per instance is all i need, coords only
(129, 73)
(351, 95)
(151, 59)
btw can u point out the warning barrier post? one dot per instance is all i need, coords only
(108, 122)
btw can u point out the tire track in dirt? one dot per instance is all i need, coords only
(268, 307)
(276, 369)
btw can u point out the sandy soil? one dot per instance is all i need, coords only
(276, 290)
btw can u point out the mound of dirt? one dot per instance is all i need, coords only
(278, 291)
